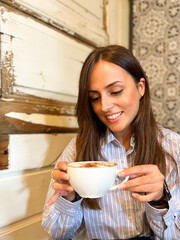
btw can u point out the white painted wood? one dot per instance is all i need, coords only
(118, 13)
(45, 119)
(22, 195)
(28, 229)
(124, 23)
(31, 151)
(82, 17)
(46, 63)
(28, 189)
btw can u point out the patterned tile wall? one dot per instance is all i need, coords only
(155, 41)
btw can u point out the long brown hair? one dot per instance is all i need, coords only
(147, 134)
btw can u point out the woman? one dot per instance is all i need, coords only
(116, 123)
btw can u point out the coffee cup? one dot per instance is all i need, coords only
(92, 179)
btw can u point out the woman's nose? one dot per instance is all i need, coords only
(106, 104)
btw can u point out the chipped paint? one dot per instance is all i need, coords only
(85, 23)
(7, 73)
(48, 120)
(26, 69)
(8, 99)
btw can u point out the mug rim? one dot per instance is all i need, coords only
(84, 162)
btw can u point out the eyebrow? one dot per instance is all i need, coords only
(108, 86)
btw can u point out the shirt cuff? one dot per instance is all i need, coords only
(172, 213)
(155, 213)
(67, 207)
(165, 213)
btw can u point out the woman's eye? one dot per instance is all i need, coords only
(117, 92)
(94, 99)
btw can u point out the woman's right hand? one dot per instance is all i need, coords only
(61, 184)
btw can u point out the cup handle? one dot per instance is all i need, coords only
(125, 180)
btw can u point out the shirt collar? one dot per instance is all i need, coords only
(109, 137)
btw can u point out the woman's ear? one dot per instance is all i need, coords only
(142, 86)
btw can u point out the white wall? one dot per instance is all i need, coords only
(118, 22)
(24, 185)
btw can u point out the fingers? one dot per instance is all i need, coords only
(61, 184)
(53, 199)
(144, 182)
(142, 188)
(142, 175)
(57, 194)
(139, 170)
(60, 173)
(143, 198)
(135, 176)
(62, 187)
(62, 165)
(144, 179)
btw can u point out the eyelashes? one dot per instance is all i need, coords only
(114, 93)
(117, 92)
(95, 99)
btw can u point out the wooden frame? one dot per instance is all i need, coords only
(4, 141)
(22, 112)
(19, 102)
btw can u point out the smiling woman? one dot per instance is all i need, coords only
(116, 124)
(115, 98)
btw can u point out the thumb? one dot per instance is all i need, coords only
(53, 199)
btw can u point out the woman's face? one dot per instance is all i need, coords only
(115, 97)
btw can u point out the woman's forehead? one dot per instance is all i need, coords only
(107, 74)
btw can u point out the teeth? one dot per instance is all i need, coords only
(114, 116)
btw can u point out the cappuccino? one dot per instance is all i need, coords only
(92, 179)
(93, 164)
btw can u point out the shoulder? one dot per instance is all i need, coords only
(171, 142)
(169, 135)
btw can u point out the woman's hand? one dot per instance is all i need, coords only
(144, 179)
(61, 184)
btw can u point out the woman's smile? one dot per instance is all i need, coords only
(114, 117)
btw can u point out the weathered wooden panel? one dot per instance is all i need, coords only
(43, 45)
(39, 60)
(22, 194)
(36, 117)
(28, 229)
(118, 22)
(4, 142)
(30, 151)
(82, 19)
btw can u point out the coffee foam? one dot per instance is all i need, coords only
(93, 165)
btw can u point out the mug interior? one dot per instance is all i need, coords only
(92, 164)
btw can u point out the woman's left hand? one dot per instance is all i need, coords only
(144, 179)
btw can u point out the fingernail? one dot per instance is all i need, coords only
(121, 186)
(121, 174)
(70, 189)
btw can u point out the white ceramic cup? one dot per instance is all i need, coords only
(93, 181)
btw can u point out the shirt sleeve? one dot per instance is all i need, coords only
(165, 223)
(63, 219)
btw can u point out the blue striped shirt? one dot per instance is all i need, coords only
(121, 216)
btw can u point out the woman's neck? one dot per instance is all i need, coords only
(124, 138)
